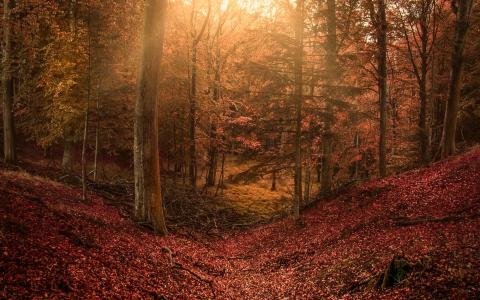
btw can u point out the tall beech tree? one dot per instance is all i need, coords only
(192, 116)
(378, 18)
(298, 72)
(332, 76)
(462, 10)
(148, 195)
(68, 134)
(7, 85)
(419, 32)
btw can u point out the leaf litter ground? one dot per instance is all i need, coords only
(54, 246)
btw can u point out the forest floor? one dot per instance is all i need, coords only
(52, 245)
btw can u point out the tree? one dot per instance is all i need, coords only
(332, 75)
(68, 134)
(462, 10)
(298, 69)
(7, 85)
(378, 18)
(148, 196)
(420, 40)
(193, 93)
(87, 112)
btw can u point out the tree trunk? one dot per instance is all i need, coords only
(222, 175)
(67, 160)
(192, 166)
(382, 86)
(97, 140)
(308, 167)
(148, 196)
(381, 29)
(422, 120)
(84, 153)
(213, 151)
(298, 69)
(424, 60)
(357, 160)
(212, 156)
(174, 138)
(193, 94)
(332, 75)
(9, 150)
(87, 115)
(421, 75)
(450, 123)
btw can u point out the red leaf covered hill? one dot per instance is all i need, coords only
(54, 246)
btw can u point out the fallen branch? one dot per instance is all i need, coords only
(404, 222)
(197, 276)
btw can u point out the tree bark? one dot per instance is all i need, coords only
(298, 69)
(67, 159)
(213, 151)
(222, 175)
(97, 140)
(424, 52)
(332, 75)
(464, 8)
(357, 148)
(379, 22)
(68, 135)
(422, 82)
(192, 166)
(308, 167)
(84, 152)
(9, 150)
(87, 114)
(148, 196)
(193, 95)
(382, 85)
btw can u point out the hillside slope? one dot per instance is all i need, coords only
(54, 246)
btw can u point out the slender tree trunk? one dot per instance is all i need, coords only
(278, 144)
(175, 155)
(308, 167)
(433, 98)
(68, 135)
(357, 148)
(212, 156)
(222, 175)
(382, 83)
(9, 150)
(67, 159)
(433, 132)
(450, 123)
(84, 153)
(87, 115)
(148, 196)
(97, 140)
(422, 82)
(183, 158)
(192, 118)
(422, 120)
(213, 152)
(332, 75)
(193, 95)
(298, 66)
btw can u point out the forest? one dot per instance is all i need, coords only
(240, 149)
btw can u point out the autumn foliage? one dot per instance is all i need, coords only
(284, 149)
